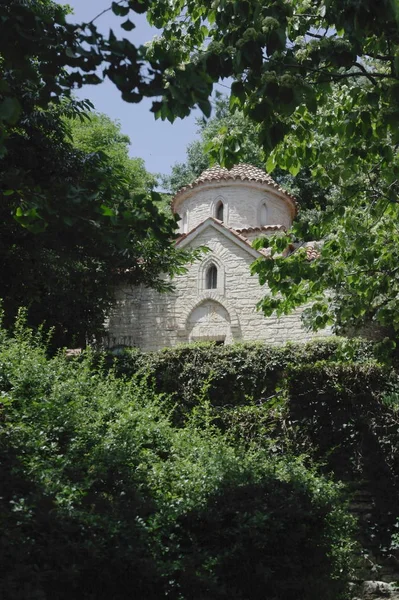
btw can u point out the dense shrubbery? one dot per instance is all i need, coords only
(231, 374)
(329, 400)
(105, 498)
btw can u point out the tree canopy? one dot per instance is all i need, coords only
(76, 222)
(227, 126)
(222, 123)
(319, 79)
(78, 215)
(98, 133)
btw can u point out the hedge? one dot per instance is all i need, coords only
(229, 375)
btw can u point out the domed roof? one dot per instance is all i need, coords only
(241, 172)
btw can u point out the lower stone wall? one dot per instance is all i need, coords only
(148, 320)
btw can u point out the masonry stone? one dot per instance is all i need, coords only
(218, 305)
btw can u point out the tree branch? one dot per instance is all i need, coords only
(103, 12)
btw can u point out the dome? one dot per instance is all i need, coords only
(240, 172)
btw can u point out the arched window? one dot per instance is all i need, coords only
(219, 210)
(263, 214)
(211, 276)
(211, 280)
(184, 225)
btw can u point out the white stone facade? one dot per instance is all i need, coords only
(244, 205)
(216, 299)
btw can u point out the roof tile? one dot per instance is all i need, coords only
(242, 171)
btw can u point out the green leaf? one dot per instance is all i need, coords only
(206, 107)
(10, 110)
(107, 211)
(69, 52)
(294, 168)
(271, 163)
(118, 10)
(128, 25)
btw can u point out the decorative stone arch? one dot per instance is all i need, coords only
(210, 295)
(211, 259)
(215, 206)
(263, 212)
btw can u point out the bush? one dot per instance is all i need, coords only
(341, 410)
(282, 533)
(105, 498)
(231, 374)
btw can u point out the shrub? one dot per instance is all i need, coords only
(231, 374)
(281, 533)
(105, 498)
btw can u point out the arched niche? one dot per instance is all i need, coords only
(204, 297)
(209, 321)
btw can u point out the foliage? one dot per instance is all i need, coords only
(98, 133)
(328, 400)
(353, 282)
(236, 547)
(88, 221)
(233, 375)
(78, 216)
(103, 497)
(320, 82)
(343, 413)
(223, 123)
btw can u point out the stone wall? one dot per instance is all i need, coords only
(151, 320)
(242, 201)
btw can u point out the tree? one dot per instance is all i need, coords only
(88, 221)
(98, 133)
(103, 497)
(223, 127)
(321, 80)
(78, 216)
(224, 124)
(287, 60)
(350, 145)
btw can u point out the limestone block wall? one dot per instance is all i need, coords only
(151, 321)
(243, 205)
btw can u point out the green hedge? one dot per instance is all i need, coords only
(343, 413)
(329, 400)
(229, 375)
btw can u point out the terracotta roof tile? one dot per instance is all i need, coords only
(242, 172)
(262, 228)
(312, 250)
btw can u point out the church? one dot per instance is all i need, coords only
(215, 300)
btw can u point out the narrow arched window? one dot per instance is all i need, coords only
(185, 222)
(263, 214)
(219, 210)
(211, 280)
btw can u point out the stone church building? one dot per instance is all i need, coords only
(216, 299)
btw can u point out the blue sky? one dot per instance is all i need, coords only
(159, 143)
